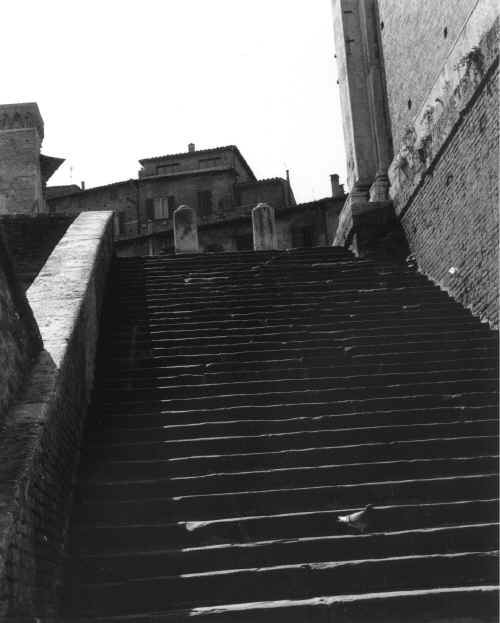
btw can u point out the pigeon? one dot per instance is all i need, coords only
(360, 520)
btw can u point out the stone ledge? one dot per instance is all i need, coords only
(40, 437)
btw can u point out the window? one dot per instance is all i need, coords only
(167, 168)
(205, 163)
(162, 209)
(150, 209)
(204, 202)
(171, 204)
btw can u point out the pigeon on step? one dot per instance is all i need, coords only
(360, 520)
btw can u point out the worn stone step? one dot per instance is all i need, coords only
(296, 333)
(245, 307)
(301, 431)
(294, 292)
(111, 488)
(423, 401)
(346, 311)
(153, 388)
(311, 355)
(400, 327)
(176, 444)
(289, 499)
(98, 539)
(291, 581)
(127, 566)
(216, 432)
(346, 318)
(129, 462)
(194, 374)
(424, 391)
(478, 604)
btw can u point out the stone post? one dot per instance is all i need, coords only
(264, 228)
(185, 230)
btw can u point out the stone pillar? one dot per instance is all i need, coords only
(377, 100)
(362, 98)
(21, 135)
(264, 228)
(185, 230)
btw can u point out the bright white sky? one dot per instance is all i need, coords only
(120, 80)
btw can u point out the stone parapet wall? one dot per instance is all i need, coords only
(40, 436)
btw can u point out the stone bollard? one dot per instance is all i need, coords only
(185, 230)
(264, 228)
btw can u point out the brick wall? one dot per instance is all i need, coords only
(441, 65)
(31, 239)
(415, 46)
(20, 341)
(40, 436)
(452, 222)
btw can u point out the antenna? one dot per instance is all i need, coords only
(71, 173)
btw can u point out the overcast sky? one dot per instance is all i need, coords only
(120, 80)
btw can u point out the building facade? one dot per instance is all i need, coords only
(222, 188)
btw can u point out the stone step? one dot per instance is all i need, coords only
(290, 581)
(478, 604)
(288, 500)
(413, 391)
(282, 425)
(302, 431)
(261, 293)
(351, 472)
(96, 540)
(339, 317)
(195, 374)
(156, 388)
(325, 547)
(139, 461)
(296, 333)
(270, 302)
(226, 358)
(158, 417)
(391, 327)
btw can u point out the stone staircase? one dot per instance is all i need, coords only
(246, 400)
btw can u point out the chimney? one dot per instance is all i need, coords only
(191, 147)
(83, 185)
(337, 189)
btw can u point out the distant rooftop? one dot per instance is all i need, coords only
(201, 152)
